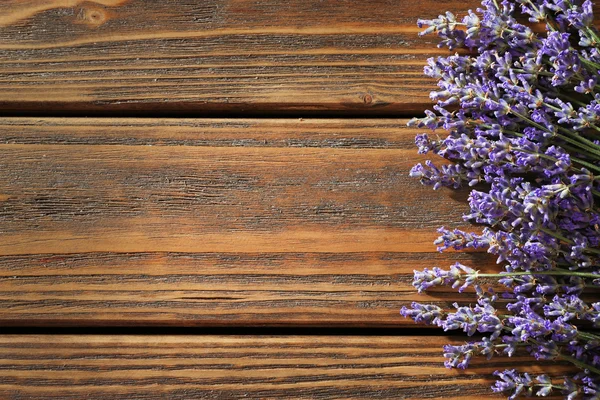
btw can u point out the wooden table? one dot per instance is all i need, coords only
(210, 199)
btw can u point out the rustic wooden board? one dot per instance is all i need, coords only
(216, 55)
(231, 367)
(216, 222)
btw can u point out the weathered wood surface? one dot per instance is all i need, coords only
(231, 367)
(216, 222)
(217, 55)
(233, 222)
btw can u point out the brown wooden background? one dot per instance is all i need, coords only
(210, 199)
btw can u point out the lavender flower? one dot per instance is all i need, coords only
(459, 356)
(522, 117)
(459, 276)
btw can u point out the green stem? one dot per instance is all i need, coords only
(550, 106)
(585, 163)
(595, 149)
(573, 150)
(588, 335)
(578, 160)
(581, 139)
(592, 148)
(564, 357)
(581, 334)
(571, 99)
(572, 360)
(547, 157)
(555, 272)
(580, 364)
(566, 240)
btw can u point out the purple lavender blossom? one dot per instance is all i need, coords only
(522, 118)
(511, 381)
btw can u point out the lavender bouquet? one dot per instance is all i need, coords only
(521, 109)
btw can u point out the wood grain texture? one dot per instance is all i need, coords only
(216, 222)
(232, 367)
(217, 55)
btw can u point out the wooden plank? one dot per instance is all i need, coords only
(216, 55)
(218, 367)
(216, 222)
